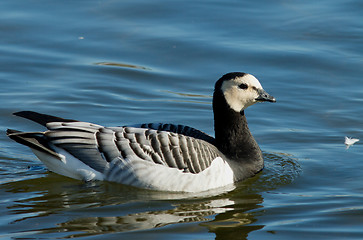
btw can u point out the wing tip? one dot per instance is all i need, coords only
(10, 132)
(41, 118)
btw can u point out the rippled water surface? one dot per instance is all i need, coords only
(125, 62)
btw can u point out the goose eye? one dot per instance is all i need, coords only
(243, 86)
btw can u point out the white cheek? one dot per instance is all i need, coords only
(234, 102)
(249, 99)
(239, 99)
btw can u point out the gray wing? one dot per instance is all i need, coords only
(79, 139)
(180, 129)
(161, 147)
(97, 146)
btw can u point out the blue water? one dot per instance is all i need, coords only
(124, 62)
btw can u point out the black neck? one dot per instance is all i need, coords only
(232, 135)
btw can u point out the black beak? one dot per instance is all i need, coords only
(263, 96)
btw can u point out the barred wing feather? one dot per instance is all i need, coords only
(98, 146)
(160, 147)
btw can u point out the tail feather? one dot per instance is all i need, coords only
(40, 118)
(34, 140)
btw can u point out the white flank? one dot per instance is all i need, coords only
(68, 165)
(144, 174)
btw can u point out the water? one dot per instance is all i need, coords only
(124, 62)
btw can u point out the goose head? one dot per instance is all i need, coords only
(241, 90)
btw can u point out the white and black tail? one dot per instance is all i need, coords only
(55, 158)
(35, 140)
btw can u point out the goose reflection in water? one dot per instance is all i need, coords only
(184, 213)
(92, 209)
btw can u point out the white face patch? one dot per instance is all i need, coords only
(237, 98)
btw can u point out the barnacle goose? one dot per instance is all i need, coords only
(163, 157)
